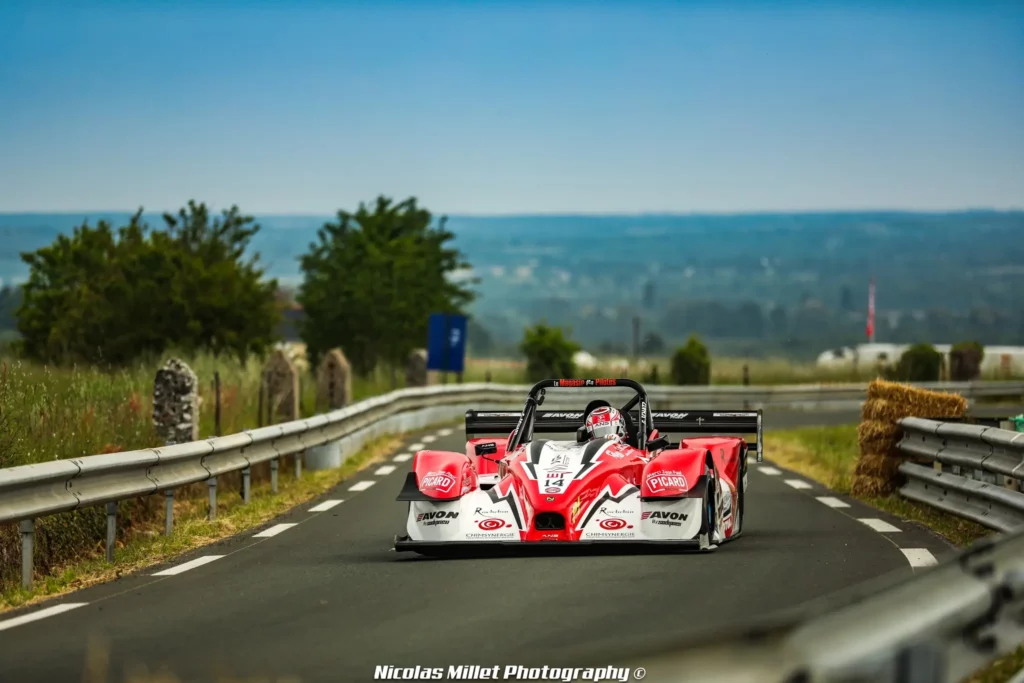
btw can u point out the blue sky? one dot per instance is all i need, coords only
(525, 107)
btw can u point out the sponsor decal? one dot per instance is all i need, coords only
(550, 499)
(671, 416)
(442, 481)
(666, 479)
(552, 489)
(612, 521)
(557, 415)
(734, 414)
(585, 383)
(611, 534)
(486, 448)
(574, 511)
(613, 524)
(489, 513)
(665, 518)
(559, 460)
(502, 536)
(492, 524)
(435, 518)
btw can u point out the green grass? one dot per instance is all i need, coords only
(829, 455)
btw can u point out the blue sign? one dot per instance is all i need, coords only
(446, 342)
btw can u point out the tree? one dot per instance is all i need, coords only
(549, 352)
(101, 295)
(919, 363)
(691, 364)
(373, 279)
(653, 344)
(965, 361)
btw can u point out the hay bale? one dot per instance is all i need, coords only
(874, 436)
(906, 401)
(877, 465)
(873, 487)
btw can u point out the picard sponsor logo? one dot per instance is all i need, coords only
(435, 518)
(660, 481)
(665, 518)
(442, 481)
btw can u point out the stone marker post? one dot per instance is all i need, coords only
(281, 379)
(333, 381)
(176, 420)
(416, 369)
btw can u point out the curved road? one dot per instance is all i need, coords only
(326, 599)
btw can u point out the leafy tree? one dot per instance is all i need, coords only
(373, 279)
(10, 300)
(965, 361)
(101, 295)
(549, 352)
(652, 344)
(691, 364)
(919, 363)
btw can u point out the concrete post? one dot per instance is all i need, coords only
(28, 532)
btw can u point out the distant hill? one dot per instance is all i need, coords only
(958, 274)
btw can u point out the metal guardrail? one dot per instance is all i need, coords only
(33, 491)
(940, 625)
(976, 471)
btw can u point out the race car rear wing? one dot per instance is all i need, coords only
(692, 422)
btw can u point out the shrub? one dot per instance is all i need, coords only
(965, 361)
(691, 364)
(548, 352)
(919, 363)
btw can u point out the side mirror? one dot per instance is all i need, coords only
(540, 398)
(581, 435)
(657, 444)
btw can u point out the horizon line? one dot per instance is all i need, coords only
(554, 214)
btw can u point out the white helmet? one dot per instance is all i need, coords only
(605, 422)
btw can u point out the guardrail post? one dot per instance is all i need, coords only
(212, 514)
(28, 532)
(111, 530)
(246, 488)
(168, 512)
(274, 464)
(298, 464)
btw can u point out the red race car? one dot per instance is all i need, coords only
(620, 481)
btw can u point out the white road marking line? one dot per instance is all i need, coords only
(798, 484)
(361, 486)
(879, 525)
(416, 447)
(444, 432)
(919, 557)
(833, 502)
(385, 469)
(404, 457)
(326, 505)
(41, 614)
(198, 562)
(429, 438)
(765, 469)
(273, 531)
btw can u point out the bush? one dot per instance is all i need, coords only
(691, 364)
(548, 352)
(652, 376)
(919, 363)
(965, 361)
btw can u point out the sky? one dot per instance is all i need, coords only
(504, 108)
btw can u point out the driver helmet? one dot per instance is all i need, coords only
(605, 423)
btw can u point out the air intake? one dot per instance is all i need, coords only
(549, 521)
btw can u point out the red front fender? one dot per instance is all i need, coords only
(444, 475)
(674, 473)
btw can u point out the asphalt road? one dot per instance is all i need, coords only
(327, 600)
